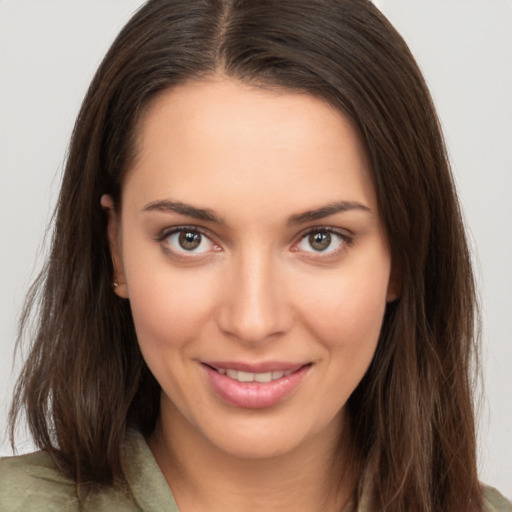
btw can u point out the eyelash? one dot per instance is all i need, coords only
(166, 234)
(345, 241)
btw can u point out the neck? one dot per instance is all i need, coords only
(315, 476)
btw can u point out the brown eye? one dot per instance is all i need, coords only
(189, 240)
(320, 240)
(324, 241)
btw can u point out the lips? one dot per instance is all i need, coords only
(254, 386)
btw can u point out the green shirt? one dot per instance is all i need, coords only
(32, 483)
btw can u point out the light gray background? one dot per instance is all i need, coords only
(49, 50)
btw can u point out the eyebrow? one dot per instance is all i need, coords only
(325, 211)
(168, 206)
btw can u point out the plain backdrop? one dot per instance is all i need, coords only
(50, 49)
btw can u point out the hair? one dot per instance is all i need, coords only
(85, 381)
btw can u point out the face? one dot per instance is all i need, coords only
(250, 247)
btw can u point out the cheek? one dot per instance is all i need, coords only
(345, 311)
(171, 311)
(169, 306)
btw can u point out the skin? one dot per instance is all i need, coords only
(256, 289)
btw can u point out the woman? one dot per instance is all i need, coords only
(259, 293)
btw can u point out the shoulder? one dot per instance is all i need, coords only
(494, 501)
(32, 482)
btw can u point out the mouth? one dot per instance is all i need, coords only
(234, 371)
(255, 386)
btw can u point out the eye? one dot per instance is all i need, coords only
(324, 241)
(188, 240)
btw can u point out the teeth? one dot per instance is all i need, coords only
(245, 377)
(263, 377)
(241, 376)
(232, 374)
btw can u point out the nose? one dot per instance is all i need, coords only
(254, 306)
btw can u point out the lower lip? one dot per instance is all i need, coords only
(255, 395)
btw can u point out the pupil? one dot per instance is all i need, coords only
(189, 240)
(320, 241)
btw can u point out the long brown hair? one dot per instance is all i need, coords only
(85, 380)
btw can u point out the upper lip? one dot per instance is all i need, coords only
(263, 367)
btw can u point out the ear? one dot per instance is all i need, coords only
(394, 285)
(113, 232)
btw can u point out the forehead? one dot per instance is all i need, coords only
(241, 142)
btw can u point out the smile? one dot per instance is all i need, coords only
(264, 386)
(242, 376)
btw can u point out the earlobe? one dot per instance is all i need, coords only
(119, 282)
(394, 286)
(392, 296)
